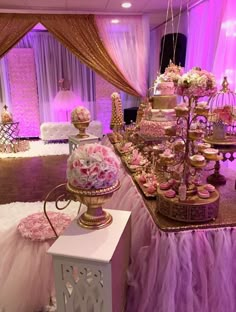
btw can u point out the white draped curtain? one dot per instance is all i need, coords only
(53, 62)
(225, 60)
(127, 42)
(203, 23)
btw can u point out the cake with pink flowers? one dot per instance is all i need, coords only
(156, 120)
(161, 113)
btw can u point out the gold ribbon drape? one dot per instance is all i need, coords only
(78, 33)
(13, 27)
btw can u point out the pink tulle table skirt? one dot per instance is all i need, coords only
(191, 271)
(26, 270)
(26, 273)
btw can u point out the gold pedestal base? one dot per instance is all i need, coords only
(81, 126)
(95, 217)
(82, 135)
(90, 221)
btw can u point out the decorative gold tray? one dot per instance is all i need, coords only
(132, 168)
(142, 187)
(118, 145)
(112, 139)
(229, 140)
(194, 209)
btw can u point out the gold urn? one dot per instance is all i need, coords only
(81, 126)
(95, 217)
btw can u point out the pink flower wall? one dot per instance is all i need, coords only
(23, 90)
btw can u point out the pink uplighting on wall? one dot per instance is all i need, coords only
(230, 28)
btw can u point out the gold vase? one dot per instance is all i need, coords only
(95, 217)
(81, 126)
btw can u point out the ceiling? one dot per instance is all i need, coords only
(155, 8)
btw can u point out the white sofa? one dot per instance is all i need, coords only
(55, 131)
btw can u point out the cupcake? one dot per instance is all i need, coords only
(158, 149)
(182, 110)
(195, 134)
(170, 130)
(202, 146)
(167, 157)
(202, 109)
(197, 160)
(179, 146)
(211, 153)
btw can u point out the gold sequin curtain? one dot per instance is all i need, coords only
(13, 27)
(80, 35)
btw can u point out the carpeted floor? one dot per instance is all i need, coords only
(30, 179)
(39, 148)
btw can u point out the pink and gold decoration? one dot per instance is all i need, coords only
(167, 82)
(197, 83)
(92, 175)
(6, 116)
(117, 119)
(222, 115)
(80, 118)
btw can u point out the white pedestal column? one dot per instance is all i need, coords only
(90, 266)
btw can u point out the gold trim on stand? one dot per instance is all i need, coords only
(95, 217)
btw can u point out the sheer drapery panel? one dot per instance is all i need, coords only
(53, 62)
(127, 42)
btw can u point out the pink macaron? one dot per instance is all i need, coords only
(151, 189)
(142, 179)
(209, 187)
(170, 193)
(165, 186)
(203, 194)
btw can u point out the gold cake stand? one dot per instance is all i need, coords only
(193, 209)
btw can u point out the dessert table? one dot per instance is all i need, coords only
(177, 267)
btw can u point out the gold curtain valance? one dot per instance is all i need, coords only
(13, 28)
(76, 32)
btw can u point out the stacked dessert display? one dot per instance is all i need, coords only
(117, 119)
(183, 196)
(171, 168)
(160, 114)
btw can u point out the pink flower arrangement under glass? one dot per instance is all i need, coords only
(223, 115)
(80, 114)
(92, 166)
(197, 83)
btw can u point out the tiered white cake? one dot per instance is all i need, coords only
(161, 113)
